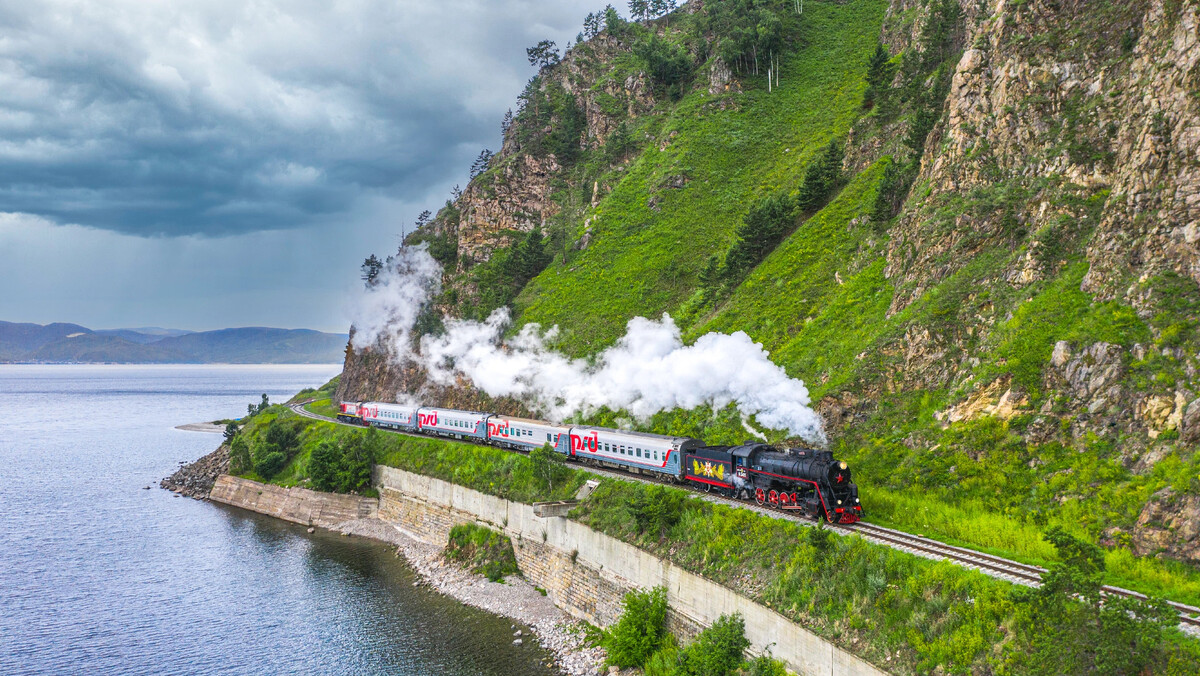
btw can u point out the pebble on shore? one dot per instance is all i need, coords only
(516, 598)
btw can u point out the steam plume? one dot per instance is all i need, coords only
(648, 370)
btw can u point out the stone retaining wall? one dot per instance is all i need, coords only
(587, 572)
(298, 505)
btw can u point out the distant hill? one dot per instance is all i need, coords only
(259, 345)
(19, 339)
(72, 343)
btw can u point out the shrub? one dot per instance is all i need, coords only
(640, 631)
(765, 665)
(549, 466)
(239, 456)
(324, 464)
(717, 651)
(359, 454)
(1067, 627)
(657, 509)
(486, 551)
(268, 465)
(665, 660)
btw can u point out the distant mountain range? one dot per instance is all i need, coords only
(72, 343)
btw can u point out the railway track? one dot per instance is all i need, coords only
(994, 566)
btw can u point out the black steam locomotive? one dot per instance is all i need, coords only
(798, 479)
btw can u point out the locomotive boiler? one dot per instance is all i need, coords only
(798, 479)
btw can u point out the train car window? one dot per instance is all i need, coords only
(639, 452)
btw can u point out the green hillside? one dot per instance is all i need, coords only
(991, 293)
(644, 262)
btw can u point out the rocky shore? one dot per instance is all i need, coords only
(514, 598)
(195, 480)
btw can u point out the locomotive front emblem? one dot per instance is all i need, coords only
(709, 469)
(840, 478)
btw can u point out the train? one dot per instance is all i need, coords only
(804, 480)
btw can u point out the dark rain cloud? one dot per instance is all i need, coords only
(230, 117)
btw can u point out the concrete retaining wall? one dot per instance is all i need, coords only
(298, 505)
(587, 572)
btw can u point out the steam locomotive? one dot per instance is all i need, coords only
(803, 480)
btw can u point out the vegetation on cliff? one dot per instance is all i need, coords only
(484, 550)
(969, 228)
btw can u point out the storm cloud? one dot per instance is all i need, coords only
(220, 118)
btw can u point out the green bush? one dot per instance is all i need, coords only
(239, 456)
(765, 665)
(641, 629)
(658, 509)
(486, 551)
(275, 445)
(323, 465)
(718, 650)
(1067, 627)
(665, 660)
(270, 464)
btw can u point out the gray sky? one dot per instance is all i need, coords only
(227, 163)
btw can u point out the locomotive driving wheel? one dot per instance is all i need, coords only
(773, 498)
(784, 499)
(760, 496)
(707, 488)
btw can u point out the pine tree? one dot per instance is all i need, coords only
(543, 54)
(371, 268)
(481, 162)
(639, 9)
(879, 75)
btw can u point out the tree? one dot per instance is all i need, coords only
(1067, 626)
(820, 178)
(639, 9)
(543, 54)
(359, 455)
(662, 7)
(761, 230)
(323, 466)
(231, 430)
(506, 123)
(423, 218)
(879, 76)
(593, 24)
(455, 192)
(548, 466)
(239, 456)
(481, 163)
(718, 650)
(640, 629)
(371, 268)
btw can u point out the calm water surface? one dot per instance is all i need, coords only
(99, 576)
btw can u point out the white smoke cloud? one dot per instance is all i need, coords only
(647, 371)
(388, 310)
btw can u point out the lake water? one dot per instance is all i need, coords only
(99, 576)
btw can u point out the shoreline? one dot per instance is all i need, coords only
(515, 598)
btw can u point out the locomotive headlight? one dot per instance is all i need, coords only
(839, 502)
(842, 465)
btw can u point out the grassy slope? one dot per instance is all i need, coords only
(835, 334)
(643, 262)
